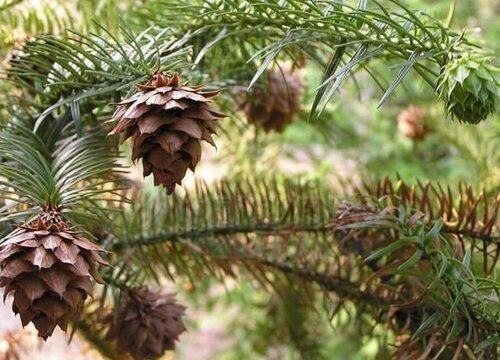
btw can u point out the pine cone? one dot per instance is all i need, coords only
(16, 52)
(411, 122)
(469, 89)
(167, 121)
(48, 267)
(147, 323)
(274, 105)
(20, 65)
(355, 240)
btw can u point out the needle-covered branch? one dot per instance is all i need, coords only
(398, 253)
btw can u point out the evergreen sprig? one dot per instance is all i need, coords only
(84, 72)
(397, 252)
(352, 37)
(92, 68)
(73, 176)
(421, 259)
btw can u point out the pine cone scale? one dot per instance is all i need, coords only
(203, 113)
(126, 123)
(22, 301)
(79, 268)
(32, 287)
(44, 326)
(136, 110)
(188, 126)
(56, 278)
(152, 122)
(72, 298)
(51, 242)
(171, 141)
(16, 268)
(41, 258)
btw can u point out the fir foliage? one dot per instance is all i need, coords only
(419, 261)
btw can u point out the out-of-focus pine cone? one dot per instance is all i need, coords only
(411, 123)
(167, 122)
(49, 269)
(273, 104)
(146, 324)
(21, 64)
(16, 51)
(354, 240)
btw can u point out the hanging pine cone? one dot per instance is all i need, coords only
(274, 104)
(167, 122)
(49, 269)
(147, 323)
(16, 52)
(411, 122)
(359, 241)
(468, 86)
(20, 64)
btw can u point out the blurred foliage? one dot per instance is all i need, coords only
(353, 139)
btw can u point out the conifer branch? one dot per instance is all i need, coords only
(261, 32)
(384, 252)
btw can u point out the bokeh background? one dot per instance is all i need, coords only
(409, 136)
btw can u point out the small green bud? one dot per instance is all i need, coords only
(468, 87)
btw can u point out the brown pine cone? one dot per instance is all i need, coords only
(49, 269)
(274, 104)
(167, 122)
(147, 323)
(411, 123)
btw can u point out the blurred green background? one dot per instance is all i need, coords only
(353, 141)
